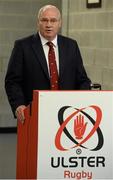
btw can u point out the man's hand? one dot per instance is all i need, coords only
(20, 113)
(79, 126)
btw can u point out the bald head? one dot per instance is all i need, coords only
(47, 7)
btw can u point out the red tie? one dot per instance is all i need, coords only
(52, 67)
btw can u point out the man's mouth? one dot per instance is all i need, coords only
(48, 30)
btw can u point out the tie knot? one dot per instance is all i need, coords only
(50, 44)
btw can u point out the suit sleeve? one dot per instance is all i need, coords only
(82, 79)
(14, 78)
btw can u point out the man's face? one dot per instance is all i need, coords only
(49, 23)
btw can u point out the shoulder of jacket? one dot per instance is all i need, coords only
(25, 39)
(67, 39)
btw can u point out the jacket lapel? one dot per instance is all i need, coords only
(38, 50)
(62, 56)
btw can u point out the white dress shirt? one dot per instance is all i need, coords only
(46, 49)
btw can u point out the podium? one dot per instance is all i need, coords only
(66, 135)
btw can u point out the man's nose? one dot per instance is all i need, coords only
(49, 23)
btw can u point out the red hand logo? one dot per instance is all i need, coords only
(79, 126)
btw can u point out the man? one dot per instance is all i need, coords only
(28, 67)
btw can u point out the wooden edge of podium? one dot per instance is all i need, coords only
(27, 138)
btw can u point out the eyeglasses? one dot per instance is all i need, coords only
(46, 21)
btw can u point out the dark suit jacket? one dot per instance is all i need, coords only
(27, 69)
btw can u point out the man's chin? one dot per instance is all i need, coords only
(49, 37)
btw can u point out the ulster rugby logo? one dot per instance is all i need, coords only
(83, 126)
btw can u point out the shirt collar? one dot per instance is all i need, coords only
(44, 41)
